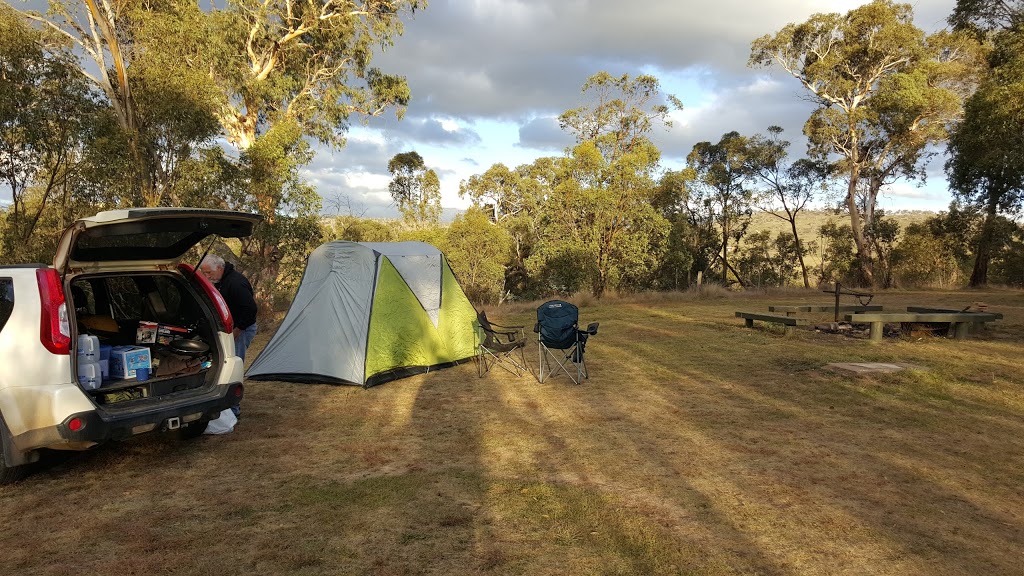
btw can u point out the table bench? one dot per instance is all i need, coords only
(788, 322)
(959, 322)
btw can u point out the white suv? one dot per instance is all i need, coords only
(113, 272)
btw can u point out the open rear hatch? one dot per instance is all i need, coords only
(140, 238)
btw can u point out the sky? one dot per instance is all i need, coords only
(490, 77)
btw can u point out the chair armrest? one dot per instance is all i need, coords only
(500, 326)
(592, 328)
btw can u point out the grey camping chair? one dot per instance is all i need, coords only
(499, 347)
(560, 342)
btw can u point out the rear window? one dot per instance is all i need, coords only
(6, 300)
(128, 299)
(133, 242)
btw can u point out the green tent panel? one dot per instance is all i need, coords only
(456, 314)
(401, 333)
(366, 313)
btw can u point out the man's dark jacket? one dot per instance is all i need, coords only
(237, 292)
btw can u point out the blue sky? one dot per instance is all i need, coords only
(490, 77)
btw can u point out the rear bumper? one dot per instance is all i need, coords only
(92, 427)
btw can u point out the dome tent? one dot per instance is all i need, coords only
(366, 313)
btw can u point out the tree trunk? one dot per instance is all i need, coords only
(799, 252)
(983, 252)
(865, 276)
(601, 282)
(737, 274)
(725, 256)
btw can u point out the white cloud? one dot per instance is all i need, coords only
(489, 78)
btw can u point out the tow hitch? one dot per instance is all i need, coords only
(172, 423)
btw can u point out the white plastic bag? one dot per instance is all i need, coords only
(223, 424)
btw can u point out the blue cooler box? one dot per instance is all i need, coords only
(125, 360)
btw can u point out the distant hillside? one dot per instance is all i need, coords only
(808, 223)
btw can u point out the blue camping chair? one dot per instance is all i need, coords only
(560, 340)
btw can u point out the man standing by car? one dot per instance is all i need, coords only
(238, 295)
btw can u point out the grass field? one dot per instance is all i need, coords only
(697, 447)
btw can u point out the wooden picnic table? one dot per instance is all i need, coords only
(958, 321)
(792, 310)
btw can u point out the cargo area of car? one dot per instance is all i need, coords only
(141, 337)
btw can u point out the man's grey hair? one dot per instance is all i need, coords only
(213, 260)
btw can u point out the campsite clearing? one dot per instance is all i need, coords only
(695, 447)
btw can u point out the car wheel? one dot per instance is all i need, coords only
(8, 474)
(193, 430)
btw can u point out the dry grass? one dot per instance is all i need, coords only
(697, 447)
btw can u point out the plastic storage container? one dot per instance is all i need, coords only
(89, 375)
(88, 347)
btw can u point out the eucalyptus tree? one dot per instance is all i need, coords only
(415, 188)
(886, 95)
(986, 163)
(289, 71)
(515, 201)
(601, 211)
(47, 114)
(787, 186)
(722, 176)
(692, 239)
(479, 253)
(141, 57)
(266, 76)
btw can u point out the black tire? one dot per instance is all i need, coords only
(193, 430)
(8, 474)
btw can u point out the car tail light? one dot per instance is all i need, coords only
(54, 327)
(238, 391)
(75, 424)
(227, 324)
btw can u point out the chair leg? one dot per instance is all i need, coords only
(488, 359)
(522, 358)
(560, 364)
(540, 362)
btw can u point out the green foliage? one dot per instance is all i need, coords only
(591, 218)
(47, 117)
(838, 258)
(785, 188)
(599, 213)
(357, 229)
(986, 164)
(435, 235)
(883, 234)
(719, 186)
(479, 253)
(309, 63)
(267, 182)
(922, 260)
(767, 262)
(562, 269)
(983, 16)
(517, 201)
(1008, 267)
(415, 189)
